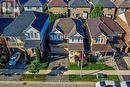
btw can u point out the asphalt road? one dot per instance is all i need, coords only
(44, 85)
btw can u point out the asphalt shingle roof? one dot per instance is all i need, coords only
(106, 3)
(4, 22)
(103, 25)
(35, 3)
(58, 3)
(68, 26)
(25, 20)
(79, 3)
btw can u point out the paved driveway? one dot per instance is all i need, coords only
(56, 74)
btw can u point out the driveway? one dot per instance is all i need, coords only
(122, 65)
(57, 65)
(13, 73)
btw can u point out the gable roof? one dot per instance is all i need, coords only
(103, 25)
(122, 3)
(106, 3)
(125, 17)
(35, 3)
(24, 21)
(58, 3)
(79, 3)
(4, 22)
(68, 26)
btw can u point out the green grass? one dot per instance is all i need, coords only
(44, 65)
(31, 77)
(92, 78)
(90, 66)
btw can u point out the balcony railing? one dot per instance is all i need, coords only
(14, 44)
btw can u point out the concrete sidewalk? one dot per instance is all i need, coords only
(92, 72)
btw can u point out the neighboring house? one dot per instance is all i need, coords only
(4, 22)
(58, 7)
(79, 9)
(35, 5)
(27, 31)
(124, 21)
(106, 36)
(122, 6)
(67, 38)
(10, 8)
(109, 7)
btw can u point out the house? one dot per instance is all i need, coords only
(67, 38)
(122, 6)
(79, 8)
(58, 7)
(35, 5)
(10, 8)
(4, 22)
(124, 21)
(109, 7)
(27, 31)
(106, 36)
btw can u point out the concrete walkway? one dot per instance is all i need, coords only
(92, 72)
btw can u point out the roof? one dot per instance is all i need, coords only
(35, 3)
(32, 43)
(4, 22)
(76, 46)
(103, 25)
(102, 48)
(68, 26)
(58, 3)
(125, 17)
(79, 3)
(106, 3)
(122, 3)
(25, 20)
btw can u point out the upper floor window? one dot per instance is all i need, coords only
(28, 35)
(31, 34)
(29, 7)
(99, 40)
(72, 40)
(37, 7)
(78, 40)
(36, 35)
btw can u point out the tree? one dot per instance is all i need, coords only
(38, 54)
(97, 11)
(35, 67)
(27, 57)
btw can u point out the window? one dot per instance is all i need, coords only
(37, 7)
(36, 35)
(29, 7)
(99, 40)
(72, 40)
(28, 35)
(78, 40)
(31, 34)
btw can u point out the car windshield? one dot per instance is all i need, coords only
(102, 83)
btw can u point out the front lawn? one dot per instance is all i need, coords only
(90, 66)
(31, 77)
(92, 78)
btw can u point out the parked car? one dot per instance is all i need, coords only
(107, 83)
(125, 84)
(15, 58)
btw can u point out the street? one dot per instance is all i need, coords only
(41, 84)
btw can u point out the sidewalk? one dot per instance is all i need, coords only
(127, 60)
(92, 72)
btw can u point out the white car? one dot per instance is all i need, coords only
(107, 83)
(125, 84)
